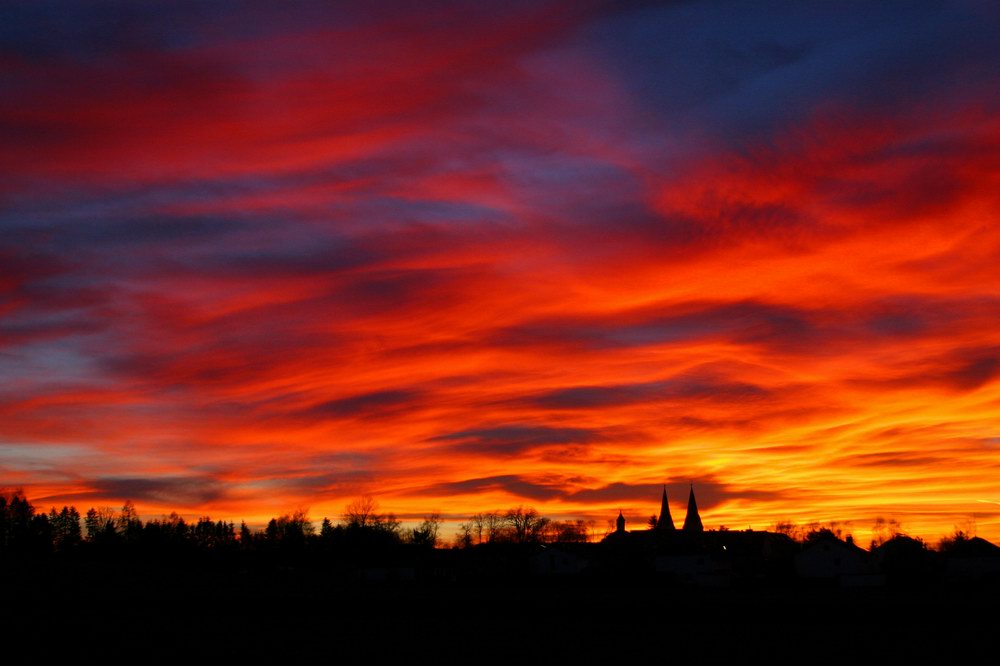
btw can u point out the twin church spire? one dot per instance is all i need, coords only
(692, 521)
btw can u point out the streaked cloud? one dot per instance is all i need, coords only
(465, 257)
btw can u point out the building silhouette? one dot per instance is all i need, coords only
(663, 526)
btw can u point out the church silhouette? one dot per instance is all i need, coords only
(664, 522)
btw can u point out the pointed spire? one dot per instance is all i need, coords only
(620, 522)
(665, 522)
(692, 521)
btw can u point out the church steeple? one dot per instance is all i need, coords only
(665, 522)
(620, 522)
(692, 521)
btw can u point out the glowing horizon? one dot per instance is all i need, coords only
(464, 259)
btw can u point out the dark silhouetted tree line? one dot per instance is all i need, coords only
(362, 528)
(520, 525)
(23, 532)
(27, 532)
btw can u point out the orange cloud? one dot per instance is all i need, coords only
(468, 264)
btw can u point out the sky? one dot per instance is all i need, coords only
(466, 256)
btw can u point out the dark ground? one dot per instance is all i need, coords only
(297, 616)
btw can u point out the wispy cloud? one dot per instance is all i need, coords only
(557, 253)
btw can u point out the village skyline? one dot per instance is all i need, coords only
(451, 530)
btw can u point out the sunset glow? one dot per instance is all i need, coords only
(464, 258)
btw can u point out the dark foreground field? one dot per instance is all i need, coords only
(297, 616)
